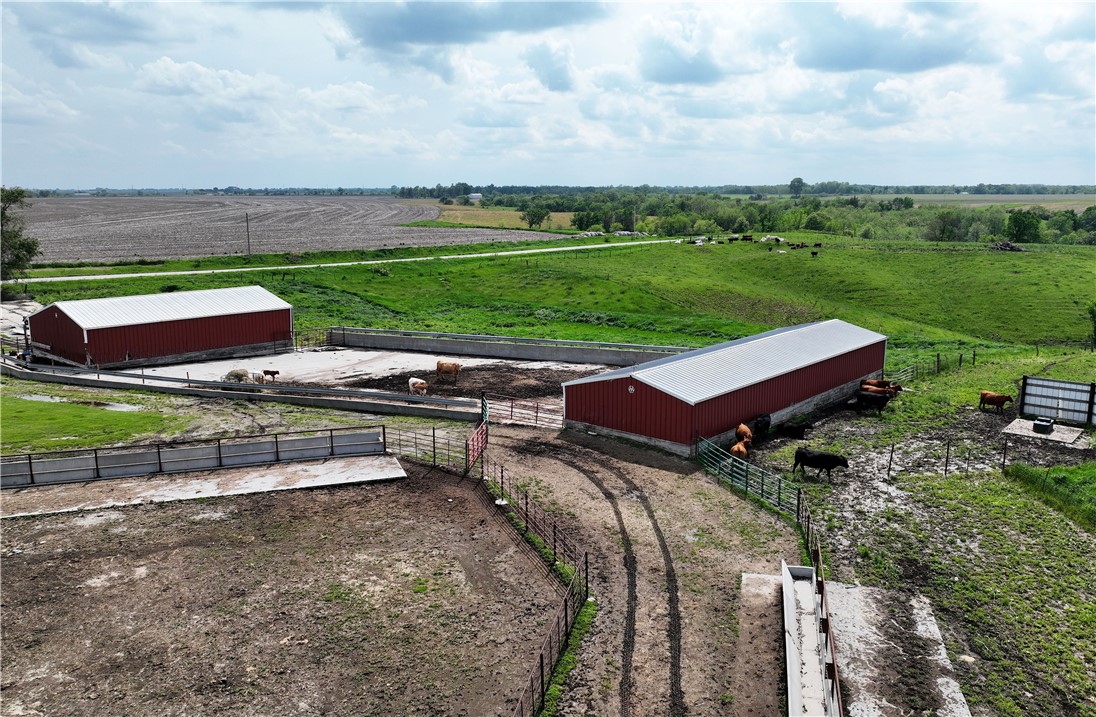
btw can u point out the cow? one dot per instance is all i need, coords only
(808, 458)
(877, 382)
(741, 450)
(890, 392)
(416, 386)
(989, 398)
(743, 432)
(271, 374)
(795, 430)
(258, 378)
(872, 400)
(760, 425)
(448, 368)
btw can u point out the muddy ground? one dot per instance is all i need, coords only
(410, 597)
(494, 379)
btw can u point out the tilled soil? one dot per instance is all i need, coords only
(89, 229)
(411, 597)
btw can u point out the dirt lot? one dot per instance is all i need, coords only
(401, 598)
(118, 228)
(499, 379)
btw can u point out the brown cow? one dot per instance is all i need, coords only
(877, 382)
(989, 398)
(271, 374)
(892, 392)
(448, 368)
(743, 433)
(741, 450)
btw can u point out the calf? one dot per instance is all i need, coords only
(272, 375)
(989, 398)
(741, 450)
(448, 368)
(416, 386)
(743, 432)
(760, 425)
(872, 400)
(808, 458)
(794, 430)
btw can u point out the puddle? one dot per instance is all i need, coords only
(95, 404)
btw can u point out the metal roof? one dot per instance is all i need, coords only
(702, 374)
(173, 306)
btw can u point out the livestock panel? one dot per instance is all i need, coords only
(130, 463)
(242, 454)
(345, 444)
(65, 470)
(1066, 401)
(295, 449)
(16, 473)
(193, 458)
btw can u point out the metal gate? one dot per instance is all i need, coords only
(526, 411)
(1066, 401)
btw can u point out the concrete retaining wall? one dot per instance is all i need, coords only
(148, 460)
(505, 347)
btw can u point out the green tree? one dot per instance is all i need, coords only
(1023, 226)
(17, 250)
(815, 222)
(796, 185)
(534, 215)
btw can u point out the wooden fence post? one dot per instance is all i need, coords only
(947, 456)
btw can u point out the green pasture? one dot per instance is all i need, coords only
(1009, 577)
(31, 426)
(924, 298)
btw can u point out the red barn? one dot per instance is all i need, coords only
(670, 402)
(174, 326)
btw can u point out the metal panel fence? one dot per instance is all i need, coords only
(429, 446)
(125, 461)
(1066, 401)
(526, 411)
(772, 488)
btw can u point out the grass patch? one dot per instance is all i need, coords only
(1070, 490)
(31, 426)
(569, 659)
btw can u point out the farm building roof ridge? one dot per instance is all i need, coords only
(702, 374)
(174, 306)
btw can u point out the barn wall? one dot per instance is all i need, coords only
(142, 341)
(646, 412)
(723, 413)
(55, 329)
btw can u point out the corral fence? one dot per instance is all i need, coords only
(525, 411)
(557, 547)
(177, 457)
(944, 362)
(786, 497)
(1066, 401)
(439, 449)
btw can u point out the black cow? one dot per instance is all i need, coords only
(759, 426)
(817, 459)
(794, 430)
(878, 401)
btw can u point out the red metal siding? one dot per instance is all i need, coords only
(646, 412)
(725, 412)
(142, 341)
(54, 328)
(650, 412)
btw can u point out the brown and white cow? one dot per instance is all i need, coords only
(416, 386)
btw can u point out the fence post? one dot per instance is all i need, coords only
(890, 461)
(30, 468)
(95, 453)
(937, 362)
(542, 676)
(973, 358)
(384, 438)
(799, 505)
(1004, 453)
(526, 493)
(434, 444)
(159, 461)
(947, 457)
(331, 441)
(586, 575)
(960, 360)
(277, 449)
(554, 539)
(220, 459)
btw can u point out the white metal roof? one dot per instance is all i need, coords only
(699, 375)
(173, 306)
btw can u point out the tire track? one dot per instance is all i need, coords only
(582, 465)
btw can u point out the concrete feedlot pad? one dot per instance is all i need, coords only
(407, 597)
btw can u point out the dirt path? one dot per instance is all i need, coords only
(667, 551)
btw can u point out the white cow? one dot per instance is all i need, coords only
(416, 386)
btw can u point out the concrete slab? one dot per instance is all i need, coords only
(1061, 434)
(97, 495)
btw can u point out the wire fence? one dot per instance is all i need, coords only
(944, 362)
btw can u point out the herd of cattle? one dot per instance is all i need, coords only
(872, 393)
(418, 386)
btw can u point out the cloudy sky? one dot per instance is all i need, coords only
(372, 94)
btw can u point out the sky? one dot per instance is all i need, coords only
(375, 94)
